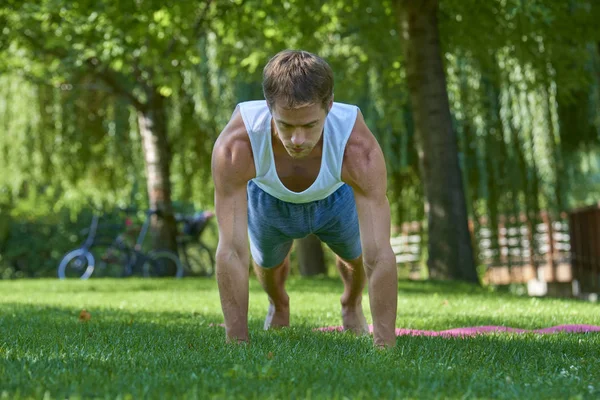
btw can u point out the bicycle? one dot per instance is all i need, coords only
(130, 260)
(81, 261)
(197, 257)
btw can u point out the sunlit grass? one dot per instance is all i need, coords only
(155, 339)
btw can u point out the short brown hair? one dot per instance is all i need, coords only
(296, 78)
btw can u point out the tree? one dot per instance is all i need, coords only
(519, 75)
(134, 50)
(450, 249)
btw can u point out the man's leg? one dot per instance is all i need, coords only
(337, 226)
(272, 225)
(354, 278)
(273, 282)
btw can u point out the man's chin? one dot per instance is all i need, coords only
(295, 154)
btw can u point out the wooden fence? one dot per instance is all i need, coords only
(563, 250)
(585, 253)
(519, 250)
(524, 250)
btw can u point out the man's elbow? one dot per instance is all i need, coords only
(383, 258)
(231, 256)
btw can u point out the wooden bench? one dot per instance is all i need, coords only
(407, 249)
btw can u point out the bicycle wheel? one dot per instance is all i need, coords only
(162, 263)
(78, 263)
(199, 260)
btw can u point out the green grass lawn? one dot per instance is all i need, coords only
(154, 339)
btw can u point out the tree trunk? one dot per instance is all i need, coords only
(311, 260)
(153, 129)
(450, 248)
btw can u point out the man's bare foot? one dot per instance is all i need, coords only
(353, 319)
(277, 317)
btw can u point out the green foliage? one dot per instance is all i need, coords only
(34, 246)
(146, 40)
(523, 80)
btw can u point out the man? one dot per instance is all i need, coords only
(292, 165)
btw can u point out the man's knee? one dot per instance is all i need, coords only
(353, 263)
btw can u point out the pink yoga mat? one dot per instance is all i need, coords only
(473, 330)
(479, 330)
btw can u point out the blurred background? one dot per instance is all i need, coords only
(487, 112)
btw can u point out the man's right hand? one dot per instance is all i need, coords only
(232, 168)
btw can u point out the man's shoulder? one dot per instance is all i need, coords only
(361, 140)
(232, 152)
(343, 111)
(252, 107)
(256, 115)
(361, 153)
(235, 132)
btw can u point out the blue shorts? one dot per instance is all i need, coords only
(273, 224)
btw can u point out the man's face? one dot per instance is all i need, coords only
(299, 129)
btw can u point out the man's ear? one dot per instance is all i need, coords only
(330, 103)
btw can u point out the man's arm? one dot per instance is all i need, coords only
(364, 170)
(232, 167)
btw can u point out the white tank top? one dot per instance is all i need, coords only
(337, 129)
